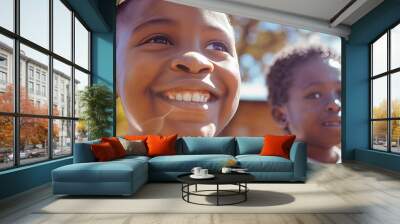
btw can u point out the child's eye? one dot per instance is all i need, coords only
(218, 46)
(313, 95)
(158, 39)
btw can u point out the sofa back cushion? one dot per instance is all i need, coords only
(249, 145)
(83, 152)
(206, 145)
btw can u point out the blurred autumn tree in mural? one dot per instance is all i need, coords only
(255, 41)
(34, 130)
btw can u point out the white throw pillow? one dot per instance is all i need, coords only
(134, 147)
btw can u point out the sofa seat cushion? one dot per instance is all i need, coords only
(111, 171)
(185, 163)
(133, 158)
(257, 163)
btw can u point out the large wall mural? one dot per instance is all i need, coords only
(198, 72)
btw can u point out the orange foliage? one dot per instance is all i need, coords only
(34, 130)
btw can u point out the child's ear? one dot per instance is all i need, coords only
(279, 114)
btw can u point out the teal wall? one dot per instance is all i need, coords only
(99, 16)
(355, 137)
(24, 178)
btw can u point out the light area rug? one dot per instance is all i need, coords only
(166, 198)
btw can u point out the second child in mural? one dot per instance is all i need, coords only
(177, 68)
(305, 93)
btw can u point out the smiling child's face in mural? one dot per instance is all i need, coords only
(177, 68)
(313, 109)
(314, 106)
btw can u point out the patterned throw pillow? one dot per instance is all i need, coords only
(134, 147)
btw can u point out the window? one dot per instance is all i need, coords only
(44, 91)
(81, 45)
(30, 72)
(37, 74)
(7, 73)
(3, 61)
(3, 78)
(38, 89)
(34, 25)
(54, 126)
(385, 94)
(30, 87)
(7, 14)
(3, 70)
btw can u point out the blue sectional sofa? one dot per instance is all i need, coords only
(125, 176)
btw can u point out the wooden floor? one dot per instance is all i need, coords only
(377, 188)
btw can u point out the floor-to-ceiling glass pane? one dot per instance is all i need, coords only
(395, 94)
(379, 135)
(62, 29)
(379, 55)
(34, 21)
(62, 89)
(33, 140)
(81, 82)
(6, 142)
(395, 135)
(6, 74)
(81, 45)
(62, 138)
(395, 47)
(379, 97)
(34, 78)
(7, 14)
(81, 131)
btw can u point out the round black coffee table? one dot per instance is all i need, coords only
(238, 179)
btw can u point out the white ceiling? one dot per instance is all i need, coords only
(315, 15)
(321, 9)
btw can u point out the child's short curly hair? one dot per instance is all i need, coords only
(280, 76)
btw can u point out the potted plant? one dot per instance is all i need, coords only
(97, 103)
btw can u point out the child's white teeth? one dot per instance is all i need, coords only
(188, 96)
(196, 97)
(179, 97)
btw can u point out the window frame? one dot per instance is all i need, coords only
(16, 115)
(388, 74)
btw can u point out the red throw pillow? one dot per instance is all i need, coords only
(103, 152)
(161, 145)
(277, 145)
(135, 137)
(116, 145)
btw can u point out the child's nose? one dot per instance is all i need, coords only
(334, 105)
(192, 62)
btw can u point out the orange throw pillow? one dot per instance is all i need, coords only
(277, 145)
(161, 145)
(103, 152)
(116, 145)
